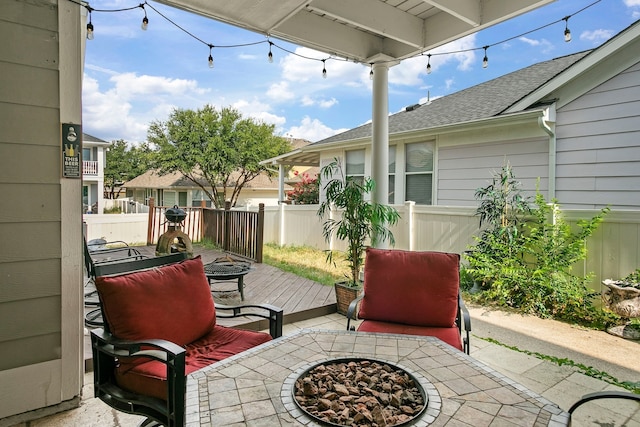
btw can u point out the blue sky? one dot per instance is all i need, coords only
(133, 77)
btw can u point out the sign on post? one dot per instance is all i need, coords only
(71, 149)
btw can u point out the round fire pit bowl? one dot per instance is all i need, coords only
(359, 392)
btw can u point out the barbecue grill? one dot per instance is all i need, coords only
(174, 239)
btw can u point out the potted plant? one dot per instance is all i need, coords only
(361, 221)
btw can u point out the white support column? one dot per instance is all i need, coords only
(380, 133)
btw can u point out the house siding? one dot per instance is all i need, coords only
(598, 146)
(40, 266)
(465, 168)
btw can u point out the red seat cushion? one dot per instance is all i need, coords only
(411, 288)
(171, 302)
(149, 378)
(449, 335)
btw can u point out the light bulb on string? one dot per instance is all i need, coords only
(210, 56)
(324, 69)
(485, 60)
(89, 26)
(429, 63)
(270, 56)
(371, 72)
(567, 31)
(145, 20)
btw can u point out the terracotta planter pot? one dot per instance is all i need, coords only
(344, 295)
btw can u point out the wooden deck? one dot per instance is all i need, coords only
(300, 298)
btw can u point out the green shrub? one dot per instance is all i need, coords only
(523, 258)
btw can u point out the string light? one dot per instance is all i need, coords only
(145, 20)
(485, 61)
(89, 25)
(567, 31)
(371, 72)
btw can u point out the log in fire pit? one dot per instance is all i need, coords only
(359, 392)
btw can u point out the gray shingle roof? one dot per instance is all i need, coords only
(482, 101)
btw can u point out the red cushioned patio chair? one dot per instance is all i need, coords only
(416, 293)
(160, 325)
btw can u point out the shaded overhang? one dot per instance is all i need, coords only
(365, 31)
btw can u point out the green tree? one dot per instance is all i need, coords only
(124, 162)
(219, 151)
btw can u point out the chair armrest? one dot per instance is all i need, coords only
(465, 324)
(352, 312)
(266, 311)
(107, 351)
(161, 350)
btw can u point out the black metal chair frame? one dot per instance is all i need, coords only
(462, 319)
(107, 349)
(602, 395)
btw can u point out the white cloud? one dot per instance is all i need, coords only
(302, 68)
(259, 111)
(107, 115)
(280, 92)
(328, 103)
(596, 36)
(312, 130)
(632, 3)
(307, 101)
(130, 85)
(545, 45)
(125, 108)
(410, 71)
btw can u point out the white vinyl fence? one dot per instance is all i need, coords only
(613, 251)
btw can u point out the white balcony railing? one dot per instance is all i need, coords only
(90, 167)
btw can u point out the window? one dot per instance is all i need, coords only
(392, 174)
(419, 173)
(198, 196)
(355, 164)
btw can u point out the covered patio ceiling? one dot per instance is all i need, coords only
(366, 31)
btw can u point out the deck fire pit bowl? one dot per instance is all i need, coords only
(227, 268)
(359, 392)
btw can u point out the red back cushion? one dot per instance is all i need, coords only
(413, 288)
(171, 302)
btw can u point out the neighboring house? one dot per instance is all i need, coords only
(570, 126)
(93, 162)
(174, 189)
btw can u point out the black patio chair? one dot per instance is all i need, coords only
(160, 326)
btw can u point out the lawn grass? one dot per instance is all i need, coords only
(306, 262)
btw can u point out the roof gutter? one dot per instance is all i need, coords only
(549, 116)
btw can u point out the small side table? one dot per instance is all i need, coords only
(228, 270)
